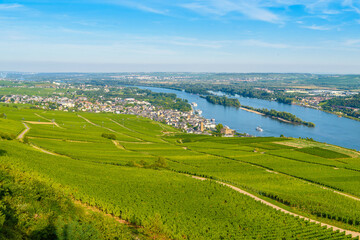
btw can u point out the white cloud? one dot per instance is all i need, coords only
(147, 9)
(261, 10)
(10, 6)
(352, 43)
(250, 9)
(177, 41)
(316, 27)
(354, 6)
(75, 31)
(7, 18)
(259, 43)
(331, 12)
(136, 5)
(196, 43)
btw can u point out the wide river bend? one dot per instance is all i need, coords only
(329, 127)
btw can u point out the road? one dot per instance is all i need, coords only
(22, 134)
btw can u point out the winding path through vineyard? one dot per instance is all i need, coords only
(97, 125)
(353, 233)
(53, 122)
(111, 130)
(334, 228)
(47, 152)
(285, 174)
(22, 134)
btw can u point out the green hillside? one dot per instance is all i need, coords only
(71, 169)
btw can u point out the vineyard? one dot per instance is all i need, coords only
(104, 161)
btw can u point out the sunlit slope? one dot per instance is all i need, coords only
(36, 208)
(98, 170)
(188, 207)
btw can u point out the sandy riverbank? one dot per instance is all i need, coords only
(276, 118)
(245, 109)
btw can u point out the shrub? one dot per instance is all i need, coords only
(160, 163)
(26, 140)
(6, 136)
(109, 136)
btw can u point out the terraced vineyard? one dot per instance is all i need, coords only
(122, 176)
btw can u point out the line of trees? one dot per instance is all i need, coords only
(347, 106)
(281, 115)
(225, 101)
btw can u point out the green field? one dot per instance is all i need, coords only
(120, 176)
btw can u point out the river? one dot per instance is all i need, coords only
(329, 128)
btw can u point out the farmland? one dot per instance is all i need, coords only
(119, 176)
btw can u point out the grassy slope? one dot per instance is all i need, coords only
(32, 207)
(204, 156)
(187, 207)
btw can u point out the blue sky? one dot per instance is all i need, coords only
(320, 36)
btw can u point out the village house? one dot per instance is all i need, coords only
(227, 132)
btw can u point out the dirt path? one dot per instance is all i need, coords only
(40, 123)
(47, 152)
(353, 233)
(314, 184)
(285, 174)
(53, 122)
(344, 194)
(94, 209)
(87, 120)
(97, 125)
(111, 130)
(199, 178)
(136, 142)
(129, 129)
(22, 134)
(118, 145)
(61, 139)
(43, 117)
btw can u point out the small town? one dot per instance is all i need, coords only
(191, 122)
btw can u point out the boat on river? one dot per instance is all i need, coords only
(258, 128)
(198, 112)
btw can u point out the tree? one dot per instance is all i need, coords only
(219, 127)
(160, 163)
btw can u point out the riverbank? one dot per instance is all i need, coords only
(277, 115)
(252, 111)
(328, 126)
(276, 118)
(320, 109)
(280, 116)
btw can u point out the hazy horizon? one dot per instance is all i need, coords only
(189, 35)
(169, 68)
